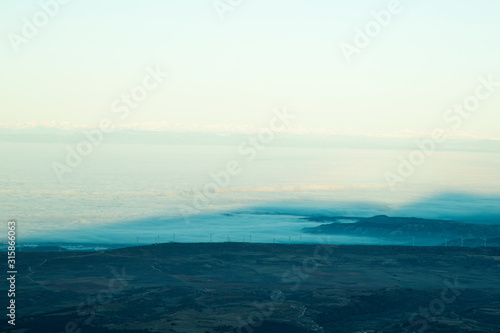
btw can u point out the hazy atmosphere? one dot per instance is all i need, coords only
(227, 67)
(210, 147)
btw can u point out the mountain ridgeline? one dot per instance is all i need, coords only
(402, 229)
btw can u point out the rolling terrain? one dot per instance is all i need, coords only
(244, 287)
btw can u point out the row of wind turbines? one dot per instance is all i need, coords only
(157, 240)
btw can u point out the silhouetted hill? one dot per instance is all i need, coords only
(424, 231)
(222, 287)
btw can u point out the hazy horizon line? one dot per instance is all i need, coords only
(227, 128)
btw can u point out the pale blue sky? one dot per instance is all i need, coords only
(265, 54)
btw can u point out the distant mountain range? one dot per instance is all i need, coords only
(422, 231)
(224, 136)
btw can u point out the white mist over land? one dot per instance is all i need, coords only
(250, 165)
(125, 119)
(121, 191)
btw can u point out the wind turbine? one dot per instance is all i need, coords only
(484, 242)
(446, 242)
(137, 240)
(461, 242)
